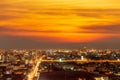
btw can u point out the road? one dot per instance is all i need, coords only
(83, 61)
(33, 73)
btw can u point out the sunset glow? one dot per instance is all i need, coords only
(60, 20)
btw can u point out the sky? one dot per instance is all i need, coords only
(59, 23)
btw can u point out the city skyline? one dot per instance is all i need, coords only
(59, 23)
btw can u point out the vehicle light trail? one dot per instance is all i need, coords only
(34, 72)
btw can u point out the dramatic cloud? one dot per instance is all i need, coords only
(7, 29)
(59, 21)
(97, 13)
(111, 28)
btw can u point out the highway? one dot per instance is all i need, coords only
(33, 73)
(84, 61)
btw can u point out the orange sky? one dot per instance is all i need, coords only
(60, 20)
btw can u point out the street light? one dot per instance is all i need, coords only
(60, 60)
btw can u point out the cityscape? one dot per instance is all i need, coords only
(59, 39)
(60, 64)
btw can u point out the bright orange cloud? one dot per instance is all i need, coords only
(60, 20)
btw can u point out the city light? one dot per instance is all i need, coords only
(60, 60)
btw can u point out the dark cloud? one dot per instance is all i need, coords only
(52, 13)
(97, 13)
(8, 17)
(111, 28)
(6, 29)
(96, 10)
